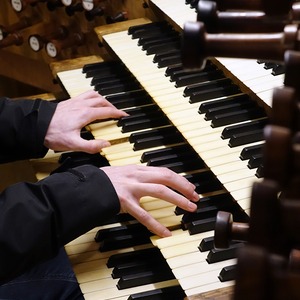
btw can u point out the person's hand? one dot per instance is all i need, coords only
(72, 115)
(134, 182)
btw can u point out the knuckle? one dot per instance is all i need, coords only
(144, 216)
(167, 173)
(160, 189)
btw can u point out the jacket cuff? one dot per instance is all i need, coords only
(90, 199)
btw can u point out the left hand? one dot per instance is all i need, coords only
(72, 115)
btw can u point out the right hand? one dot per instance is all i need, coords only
(134, 182)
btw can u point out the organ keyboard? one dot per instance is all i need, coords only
(189, 266)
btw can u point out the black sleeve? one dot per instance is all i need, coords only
(37, 219)
(23, 126)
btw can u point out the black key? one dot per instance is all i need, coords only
(172, 69)
(142, 109)
(208, 201)
(246, 138)
(147, 277)
(160, 37)
(146, 122)
(165, 55)
(167, 293)
(137, 113)
(207, 186)
(163, 48)
(228, 273)
(148, 155)
(207, 224)
(172, 59)
(204, 213)
(248, 151)
(151, 133)
(111, 80)
(118, 88)
(137, 266)
(278, 70)
(269, 65)
(166, 159)
(200, 226)
(204, 107)
(194, 3)
(175, 73)
(216, 92)
(198, 77)
(102, 68)
(77, 158)
(154, 31)
(255, 161)
(157, 140)
(148, 26)
(98, 79)
(229, 131)
(130, 99)
(230, 107)
(144, 30)
(132, 256)
(243, 115)
(206, 244)
(97, 65)
(160, 41)
(202, 87)
(185, 166)
(124, 241)
(120, 230)
(104, 72)
(260, 172)
(103, 234)
(217, 255)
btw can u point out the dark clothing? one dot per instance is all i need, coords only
(37, 219)
(50, 280)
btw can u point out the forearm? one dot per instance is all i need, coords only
(50, 214)
(23, 126)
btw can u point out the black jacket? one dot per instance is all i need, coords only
(36, 219)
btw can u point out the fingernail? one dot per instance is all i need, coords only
(196, 196)
(192, 205)
(107, 144)
(166, 233)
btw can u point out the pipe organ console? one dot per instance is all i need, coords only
(203, 115)
(207, 125)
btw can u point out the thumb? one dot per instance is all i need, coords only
(92, 146)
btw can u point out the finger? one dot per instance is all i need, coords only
(90, 146)
(88, 95)
(147, 220)
(92, 98)
(103, 113)
(169, 178)
(163, 192)
(99, 102)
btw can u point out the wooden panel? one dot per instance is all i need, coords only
(23, 64)
(16, 172)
